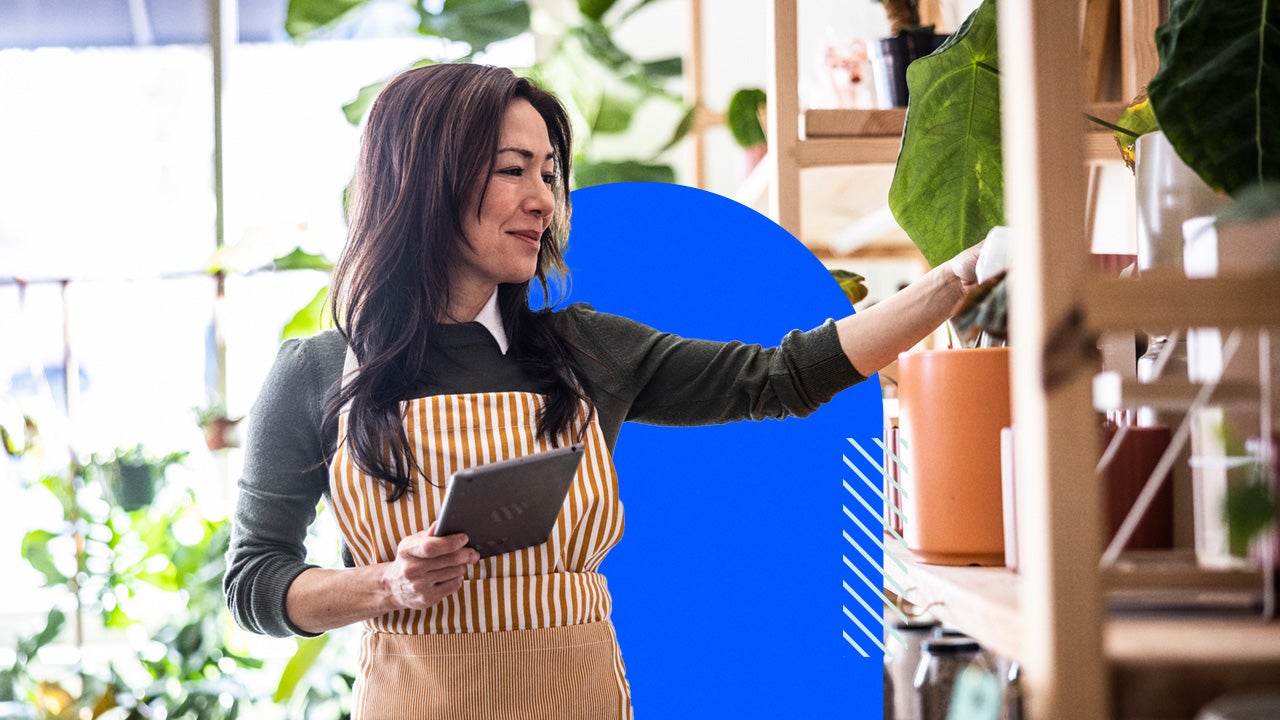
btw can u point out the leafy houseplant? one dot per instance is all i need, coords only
(948, 187)
(602, 86)
(106, 558)
(947, 194)
(131, 476)
(1224, 57)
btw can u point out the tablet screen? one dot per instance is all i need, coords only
(510, 504)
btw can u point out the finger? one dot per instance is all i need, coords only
(424, 545)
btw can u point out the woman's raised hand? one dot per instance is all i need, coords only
(427, 568)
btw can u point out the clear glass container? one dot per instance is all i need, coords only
(902, 663)
(941, 660)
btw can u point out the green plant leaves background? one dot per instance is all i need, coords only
(948, 187)
(1224, 57)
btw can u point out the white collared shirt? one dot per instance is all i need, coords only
(491, 319)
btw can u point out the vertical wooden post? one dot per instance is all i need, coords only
(224, 32)
(694, 95)
(784, 117)
(1058, 503)
(1138, 22)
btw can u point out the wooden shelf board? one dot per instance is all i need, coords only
(1170, 300)
(880, 250)
(981, 601)
(864, 122)
(867, 150)
(1181, 640)
(845, 123)
(883, 150)
(1175, 394)
(1174, 570)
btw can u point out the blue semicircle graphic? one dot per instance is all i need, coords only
(729, 584)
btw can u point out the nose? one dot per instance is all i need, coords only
(540, 201)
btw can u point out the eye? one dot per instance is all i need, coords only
(549, 178)
(513, 171)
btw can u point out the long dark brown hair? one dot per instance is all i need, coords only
(430, 139)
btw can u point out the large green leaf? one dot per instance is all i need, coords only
(948, 187)
(613, 114)
(477, 22)
(743, 116)
(682, 129)
(35, 548)
(355, 110)
(299, 259)
(311, 319)
(304, 17)
(587, 174)
(298, 666)
(595, 9)
(1217, 93)
(672, 67)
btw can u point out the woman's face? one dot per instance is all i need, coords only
(506, 234)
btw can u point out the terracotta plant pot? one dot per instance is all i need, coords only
(953, 404)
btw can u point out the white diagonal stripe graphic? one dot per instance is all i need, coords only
(874, 463)
(855, 645)
(879, 591)
(849, 539)
(863, 603)
(896, 461)
(862, 502)
(879, 543)
(864, 629)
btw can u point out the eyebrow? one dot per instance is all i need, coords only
(526, 154)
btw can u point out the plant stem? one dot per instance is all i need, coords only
(1111, 126)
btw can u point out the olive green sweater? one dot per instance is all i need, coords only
(634, 373)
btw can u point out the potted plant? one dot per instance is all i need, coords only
(1211, 57)
(120, 568)
(947, 194)
(909, 41)
(219, 429)
(131, 476)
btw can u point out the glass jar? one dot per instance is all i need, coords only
(902, 664)
(941, 660)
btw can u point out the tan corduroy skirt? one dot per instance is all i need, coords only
(556, 673)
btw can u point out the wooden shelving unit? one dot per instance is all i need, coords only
(801, 138)
(984, 602)
(1078, 659)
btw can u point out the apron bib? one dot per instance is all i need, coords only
(528, 634)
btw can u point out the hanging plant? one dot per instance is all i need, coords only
(131, 476)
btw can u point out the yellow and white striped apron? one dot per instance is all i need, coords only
(528, 634)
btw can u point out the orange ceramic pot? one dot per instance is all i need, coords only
(953, 404)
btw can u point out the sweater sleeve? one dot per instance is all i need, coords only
(284, 478)
(668, 380)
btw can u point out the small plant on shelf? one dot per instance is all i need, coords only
(131, 476)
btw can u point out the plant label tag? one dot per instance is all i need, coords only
(976, 696)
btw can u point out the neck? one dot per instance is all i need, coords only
(467, 303)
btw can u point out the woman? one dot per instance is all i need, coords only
(438, 363)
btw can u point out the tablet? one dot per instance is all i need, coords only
(510, 504)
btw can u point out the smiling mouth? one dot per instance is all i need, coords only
(532, 238)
